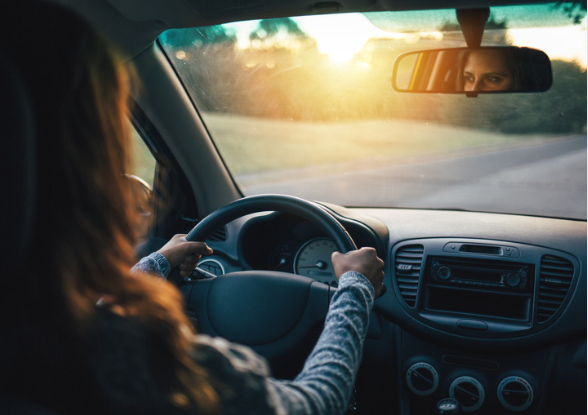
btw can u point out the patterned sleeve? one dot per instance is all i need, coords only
(324, 385)
(155, 263)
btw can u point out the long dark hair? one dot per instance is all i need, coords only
(83, 230)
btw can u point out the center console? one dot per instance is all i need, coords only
(484, 292)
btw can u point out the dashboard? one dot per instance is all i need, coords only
(488, 309)
(283, 242)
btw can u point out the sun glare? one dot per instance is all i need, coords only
(341, 36)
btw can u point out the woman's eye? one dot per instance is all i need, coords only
(469, 78)
(493, 79)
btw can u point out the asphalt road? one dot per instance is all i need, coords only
(547, 179)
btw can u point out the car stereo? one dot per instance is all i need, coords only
(484, 275)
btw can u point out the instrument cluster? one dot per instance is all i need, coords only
(286, 243)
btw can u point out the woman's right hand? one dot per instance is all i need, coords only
(183, 253)
(366, 262)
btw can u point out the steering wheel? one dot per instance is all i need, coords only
(275, 313)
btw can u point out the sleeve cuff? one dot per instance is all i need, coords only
(162, 262)
(357, 279)
(154, 263)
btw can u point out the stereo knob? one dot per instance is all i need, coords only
(443, 272)
(469, 392)
(513, 279)
(515, 393)
(422, 379)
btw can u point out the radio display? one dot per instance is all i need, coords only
(466, 274)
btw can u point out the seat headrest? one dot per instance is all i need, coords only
(17, 164)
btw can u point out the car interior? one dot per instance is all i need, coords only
(279, 131)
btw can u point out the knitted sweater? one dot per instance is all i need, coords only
(242, 378)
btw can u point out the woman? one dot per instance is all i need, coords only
(84, 334)
(491, 69)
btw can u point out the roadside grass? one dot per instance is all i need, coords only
(255, 145)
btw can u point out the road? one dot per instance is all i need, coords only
(547, 179)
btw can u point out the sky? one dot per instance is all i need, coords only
(334, 37)
(556, 42)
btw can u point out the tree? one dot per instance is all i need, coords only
(491, 24)
(283, 32)
(576, 10)
(198, 36)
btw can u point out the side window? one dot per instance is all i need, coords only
(141, 174)
(143, 161)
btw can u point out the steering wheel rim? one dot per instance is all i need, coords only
(277, 314)
(289, 204)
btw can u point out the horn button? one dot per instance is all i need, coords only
(253, 308)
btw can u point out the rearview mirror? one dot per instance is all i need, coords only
(472, 71)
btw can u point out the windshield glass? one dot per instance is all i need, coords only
(304, 106)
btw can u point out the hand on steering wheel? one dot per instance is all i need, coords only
(184, 254)
(366, 262)
(277, 314)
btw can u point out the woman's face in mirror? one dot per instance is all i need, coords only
(487, 70)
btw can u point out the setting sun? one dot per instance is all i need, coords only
(331, 32)
(334, 37)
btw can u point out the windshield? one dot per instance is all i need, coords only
(304, 106)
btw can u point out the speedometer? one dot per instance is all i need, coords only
(313, 260)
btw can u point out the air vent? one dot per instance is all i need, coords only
(220, 235)
(555, 279)
(407, 268)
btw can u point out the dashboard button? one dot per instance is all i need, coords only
(472, 324)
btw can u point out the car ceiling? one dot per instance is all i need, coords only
(134, 24)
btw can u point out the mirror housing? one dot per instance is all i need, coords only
(471, 71)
